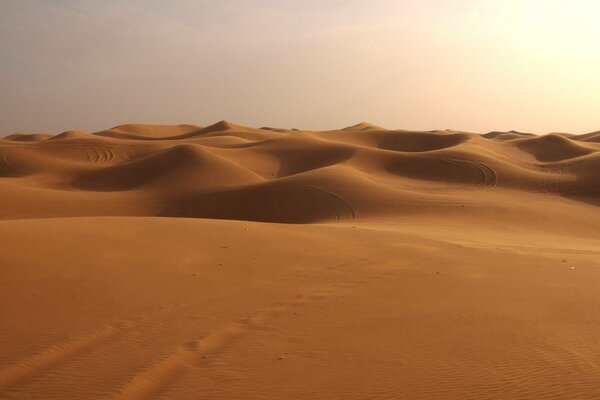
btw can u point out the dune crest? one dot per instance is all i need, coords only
(72, 134)
(155, 130)
(554, 147)
(590, 137)
(23, 137)
(288, 176)
(225, 126)
(363, 126)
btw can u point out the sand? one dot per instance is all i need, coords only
(225, 262)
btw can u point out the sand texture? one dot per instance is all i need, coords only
(229, 262)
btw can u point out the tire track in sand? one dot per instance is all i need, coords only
(489, 177)
(55, 355)
(104, 155)
(156, 377)
(551, 182)
(60, 353)
(345, 208)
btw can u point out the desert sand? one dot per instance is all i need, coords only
(229, 262)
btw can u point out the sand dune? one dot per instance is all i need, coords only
(554, 148)
(363, 126)
(169, 163)
(225, 262)
(180, 164)
(147, 132)
(590, 137)
(23, 137)
(69, 135)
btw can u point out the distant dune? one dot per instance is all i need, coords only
(359, 171)
(230, 262)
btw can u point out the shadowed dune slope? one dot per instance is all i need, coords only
(148, 132)
(22, 137)
(229, 171)
(553, 147)
(506, 135)
(403, 141)
(183, 164)
(69, 135)
(590, 137)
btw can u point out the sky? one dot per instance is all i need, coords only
(473, 65)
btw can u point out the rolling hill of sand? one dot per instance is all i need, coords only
(220, 262)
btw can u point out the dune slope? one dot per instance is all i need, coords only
(228, 262)
(271, 169)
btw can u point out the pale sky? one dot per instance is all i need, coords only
(314, 64)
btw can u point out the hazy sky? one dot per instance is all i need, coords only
(476, 65)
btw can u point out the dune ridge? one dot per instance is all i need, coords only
(191, 171)
(229, 262)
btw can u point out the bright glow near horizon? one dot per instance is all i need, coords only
(529, 65)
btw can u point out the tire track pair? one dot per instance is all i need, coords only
(100, 155)
(54, 356)
(341, 208)
(95, 153)
(156, 377)
(489, 177)
(551, 181)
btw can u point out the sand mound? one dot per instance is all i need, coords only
(506, 135)
(435, 169)
(363, 126)
(146, 132)
(589, 137)
(404, 141)
(155, 130)
(283, 202)
(235, 172)
(46, 169)
(282, 130)
(553, 148)
(188, 165)
(292, 154)
(226, 128)
(72, 134)
(22, 137)
(222, 126)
